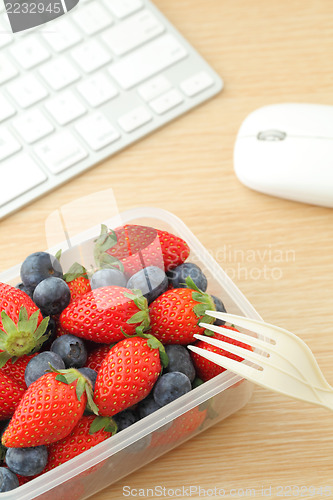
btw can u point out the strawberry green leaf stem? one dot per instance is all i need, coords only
(106, 240)
(206, 303)
(83, 384)
(23, 338)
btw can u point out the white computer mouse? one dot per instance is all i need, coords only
(286, 150)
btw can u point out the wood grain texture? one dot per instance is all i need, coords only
(279, 253)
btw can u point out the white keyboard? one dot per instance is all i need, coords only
(85, 86)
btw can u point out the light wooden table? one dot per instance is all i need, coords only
(267, 52)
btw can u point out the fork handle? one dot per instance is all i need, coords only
(325, 397)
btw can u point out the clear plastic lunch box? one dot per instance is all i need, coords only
(139, 444)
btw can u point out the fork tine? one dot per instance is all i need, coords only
(240, 369)
(277, 380)
(258, 358)
(279, 345)
(271, 332)
(241, 337)
(234, 349)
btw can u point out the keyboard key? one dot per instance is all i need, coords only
(147, 61)
(60, 151)
(59, 73)
(7, 69)
(65, 107)
(133, 32)
(97, 131)
(63, 35)
(27, 90)
(97, 89)
(167, 101)
(134, 119)
(5, 22)
(32, 126)
(123, 8)
(6, 37)
(92, 18)
(29, 52)
(90, 56)
(155, 87)
(196, 84)
(6, 109)
(8, 144)
(19, 175)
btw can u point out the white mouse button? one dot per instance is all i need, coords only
(295, 119)
(271, 135)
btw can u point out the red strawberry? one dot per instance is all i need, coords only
(206, 369)
(141, 246)
(15, 370)
(127, 374)
(78, 281)
(10, 395)
(175, 315)
(183, 427)
(49, 409)
(22, 326)
(78, 287)
(97, 356)
(89, 431)
(105, 314)
(175, 250)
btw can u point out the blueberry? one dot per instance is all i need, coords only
(8, 480)
(71, 349)
(125, 418)
(180, 360)
(178, 275)
(27, 461)
(107, 277)
(219, 307)
(171, 386)
(147, 406)
(25, 289)
(90, 374)
(52, 295)
(40, 364)
(37, 267)
(151, 280)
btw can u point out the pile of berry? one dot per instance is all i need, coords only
(85, 354)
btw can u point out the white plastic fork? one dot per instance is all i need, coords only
(281, 362)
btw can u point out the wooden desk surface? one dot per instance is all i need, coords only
(267, 52)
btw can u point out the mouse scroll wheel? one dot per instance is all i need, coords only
(271, 135)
